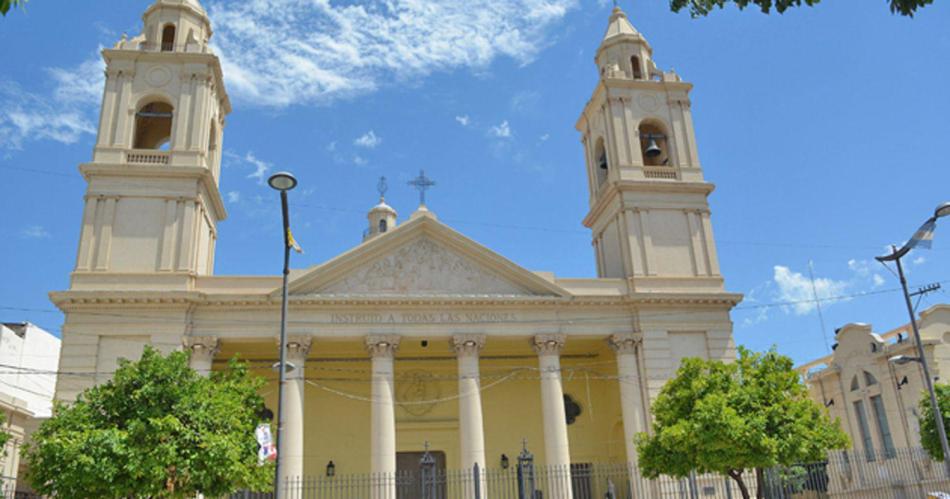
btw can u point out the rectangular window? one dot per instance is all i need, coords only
(882, 426)
(865, 430)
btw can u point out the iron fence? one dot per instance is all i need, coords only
(907, 473)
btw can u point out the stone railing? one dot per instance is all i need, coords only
(141, 157)
(661, 172)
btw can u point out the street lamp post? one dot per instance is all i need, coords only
(922, 236)
(282, 182)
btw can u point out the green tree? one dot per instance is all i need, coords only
(726, 418)
(928, 429)
(699, 8)
(157, 429)
(6, 4)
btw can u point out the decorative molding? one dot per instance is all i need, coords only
(422, 267)
(298, 347)
(202, 346)
(382, 345)
(548, 344)
(468, 344)
(625, 343)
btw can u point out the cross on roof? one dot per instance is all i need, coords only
(422, 183)
(382, 187)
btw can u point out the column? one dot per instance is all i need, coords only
(471, 430)
(382, 349)
(202, 349)
(556, 449)
(291, 442)
(631, 402)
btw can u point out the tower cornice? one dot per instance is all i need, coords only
(615, 189)
(203, 175)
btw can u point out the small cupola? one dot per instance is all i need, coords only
(176, 26)
(624, 53)
(382, 217)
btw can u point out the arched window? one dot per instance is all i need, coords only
(168, 38)
(383, 226)
(212, 146)
(869, 379)
(153, 126)
(654, 145)
(854, 384)
(635, 66)
(600, 162)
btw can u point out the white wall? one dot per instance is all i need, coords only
(24, 348)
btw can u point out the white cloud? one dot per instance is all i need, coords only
(797, 289)
(369, 140)
(35, 232)
(545, 137)
(463, 120)
(920, 260)
(878, 280)
(261, 168)
(65, 115)
(502, 131)
(359, 160)
(234, 196)
(283, 52)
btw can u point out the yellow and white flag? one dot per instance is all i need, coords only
(293, 242)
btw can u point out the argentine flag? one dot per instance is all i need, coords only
(924, 236)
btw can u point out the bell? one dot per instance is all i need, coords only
(653, 150)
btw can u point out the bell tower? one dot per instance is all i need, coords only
(649, 214)
(152, 202)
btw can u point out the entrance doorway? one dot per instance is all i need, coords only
(409, 471)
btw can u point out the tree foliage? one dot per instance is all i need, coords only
(699, 8)
(5, 5)
(726, 418)
(928, 427)
(157, 429)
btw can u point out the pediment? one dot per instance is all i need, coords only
(422, 258)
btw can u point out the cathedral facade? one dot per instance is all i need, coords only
(419, 336)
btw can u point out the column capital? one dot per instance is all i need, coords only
(298, 347)
(625, 342)
(204, 346)
(382, 345)
(467, 344)
(548, 344)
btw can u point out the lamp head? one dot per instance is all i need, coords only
(282, 181)
(942, 210)
(903, 359)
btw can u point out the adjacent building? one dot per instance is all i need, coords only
(417, 336)
(29, 357)
(877, 401)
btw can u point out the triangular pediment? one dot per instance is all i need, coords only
(422, 258)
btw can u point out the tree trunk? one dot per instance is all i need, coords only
(737, 476)
(760, 483)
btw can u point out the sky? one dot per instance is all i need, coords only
(825, 131)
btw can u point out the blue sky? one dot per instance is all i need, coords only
(825, 130)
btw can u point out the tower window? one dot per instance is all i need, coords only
(654, 145)
(153, 126)
(168, 38)
(383, 226)
(601, 165)
(635, 65)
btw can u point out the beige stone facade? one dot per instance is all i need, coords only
(877, 401)
(418, 334)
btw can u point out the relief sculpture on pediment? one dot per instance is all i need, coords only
(423, 267)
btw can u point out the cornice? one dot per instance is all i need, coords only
(199, 173)
(79, 299)
(617, 188)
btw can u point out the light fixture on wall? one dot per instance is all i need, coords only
(902, 382)
(505, 462)
(331, 469)
(829, 402)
